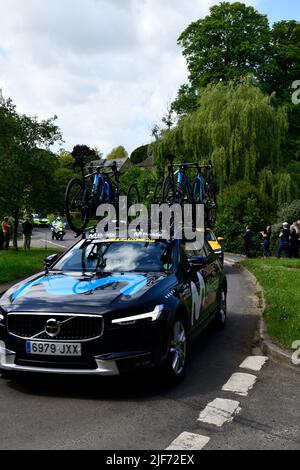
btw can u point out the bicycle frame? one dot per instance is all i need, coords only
(98, 178)
(182, 180)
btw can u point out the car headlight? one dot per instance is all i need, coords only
(153, 315)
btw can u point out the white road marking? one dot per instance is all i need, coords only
(52, 243)
(219, 411)
(253, 362)
(189, 441)
(240, 383)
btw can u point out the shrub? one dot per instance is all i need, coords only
(289, 212)
(240, 205)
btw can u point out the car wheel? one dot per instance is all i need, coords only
(175, 366)
(221, 313)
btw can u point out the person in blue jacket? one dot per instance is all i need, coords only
(284, 245)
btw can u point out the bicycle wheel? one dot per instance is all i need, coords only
(169, 192)
(197, 192)
(197, 198)
(76, 204)
(158, 193)
(133, 197)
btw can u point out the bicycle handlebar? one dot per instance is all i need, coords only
(194, 165)
(170, 157)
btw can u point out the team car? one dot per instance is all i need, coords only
(112, 306)
(214, 243)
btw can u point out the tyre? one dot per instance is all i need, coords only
(175, 366)
(76, 204)
(158, 193)
(169, 192)
(133, 197)
(197, 192)
(197, 198)
(221, 313)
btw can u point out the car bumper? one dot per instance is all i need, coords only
(118, 351)
(106, 365)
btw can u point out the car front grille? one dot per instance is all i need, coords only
(72, 327)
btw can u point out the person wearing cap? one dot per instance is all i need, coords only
(284, 245)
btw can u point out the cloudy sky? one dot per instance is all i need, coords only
(107, 68)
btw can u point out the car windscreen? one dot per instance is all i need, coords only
(117, 256)
(209, 236)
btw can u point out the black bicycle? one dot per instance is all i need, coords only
(101, 185)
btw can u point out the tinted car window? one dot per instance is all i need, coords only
(209, 236)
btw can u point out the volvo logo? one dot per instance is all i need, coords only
(52, 327)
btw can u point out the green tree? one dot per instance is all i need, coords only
(229, 43)
(279, 73)
(83, 153)
(240, 205)
(139, 154)
(283, 65)
(26, 163)
(117, 152)
(145, 180)
(289, 212)
(236, 126)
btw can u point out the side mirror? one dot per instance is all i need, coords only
(198, 261)
(220, 239)
(50, 260)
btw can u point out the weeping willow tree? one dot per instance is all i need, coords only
(238, 128)
(280, 186)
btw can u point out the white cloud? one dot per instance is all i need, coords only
(107, 68)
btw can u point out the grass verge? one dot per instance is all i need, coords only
(280, 280)
(18, 264)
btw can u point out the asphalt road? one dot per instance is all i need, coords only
(41, 238)
(140, 413)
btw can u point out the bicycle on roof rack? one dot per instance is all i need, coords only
(177, 189)
(101, 185)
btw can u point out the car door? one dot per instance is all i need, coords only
(212, 280)
(195, 281)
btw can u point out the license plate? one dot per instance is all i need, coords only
(53, 349)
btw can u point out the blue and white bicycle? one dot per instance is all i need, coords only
(177, 189)
(100, 185)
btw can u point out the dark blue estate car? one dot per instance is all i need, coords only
(107, 307)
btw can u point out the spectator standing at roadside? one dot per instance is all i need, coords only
(284, 245)
(266, 234)
(6, 233)
(294, 242)
(27, 232)
(248, 241)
